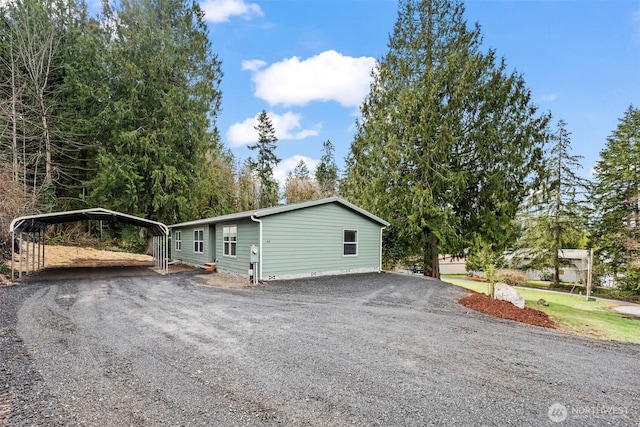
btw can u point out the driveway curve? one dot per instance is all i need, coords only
(364, 350)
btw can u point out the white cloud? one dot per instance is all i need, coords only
(289, 164)
(218, 11)
(329, 76)
(287, 127)
(253, 65)
(550, 97)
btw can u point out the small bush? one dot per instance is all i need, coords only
(5, 269)
(512, 277)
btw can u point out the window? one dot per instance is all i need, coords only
(350, 243)
(229, 240)
(198, 241)
(177, 237)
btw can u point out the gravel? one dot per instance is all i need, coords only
(364, 350)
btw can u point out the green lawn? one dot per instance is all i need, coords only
(572, 312)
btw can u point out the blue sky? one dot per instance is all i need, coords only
(307, 64)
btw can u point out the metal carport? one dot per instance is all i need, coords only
(35, 225)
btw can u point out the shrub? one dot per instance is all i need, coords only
(5, 270)
(512, 277)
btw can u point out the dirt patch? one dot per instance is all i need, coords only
(222, 280)
(179, 268)
(71, 256)
(505, 310)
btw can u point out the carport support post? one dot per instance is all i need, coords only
(27, 259)
(13, 255)
(33, 253)
(39, 237)
(166, 253)
(20, 272)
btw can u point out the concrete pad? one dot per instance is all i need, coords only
(632, 310)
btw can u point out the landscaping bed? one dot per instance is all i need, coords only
(505, 310)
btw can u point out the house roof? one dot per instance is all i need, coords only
(34, 223)
(576, 254)
(261, 213)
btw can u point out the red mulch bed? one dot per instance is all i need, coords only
(505, 310)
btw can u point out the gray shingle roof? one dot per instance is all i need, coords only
(260, 213)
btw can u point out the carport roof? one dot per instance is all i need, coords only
(34, 223)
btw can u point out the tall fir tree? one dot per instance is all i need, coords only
(447, 139)
(616, 201)
(554, 216)
(163, 101)
(266, 161)
(327, 171)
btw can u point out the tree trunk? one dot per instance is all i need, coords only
(47, 143)
(556, 270)
(430, 258)
(14, 119)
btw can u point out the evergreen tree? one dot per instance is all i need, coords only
(447, 139)
(218, 185)
(616, 202)
(266, 161)
(300, 186)
(327, 171)
(554, 218)
(248, 188)
(159, 121)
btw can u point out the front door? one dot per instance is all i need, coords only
(212, 242)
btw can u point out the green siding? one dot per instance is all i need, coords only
(295, 243)
(310, 242)
(187, 254)
(248, 234)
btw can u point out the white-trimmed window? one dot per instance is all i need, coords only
(198, 241)
(350, 243)
(229, 240)
(177, 238)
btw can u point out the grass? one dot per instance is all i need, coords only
(573, 313)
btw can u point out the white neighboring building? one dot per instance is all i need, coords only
(575, 272)
(451, 265)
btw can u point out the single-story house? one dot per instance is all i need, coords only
(320, 237)
(574, 268)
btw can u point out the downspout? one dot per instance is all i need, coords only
(253, 218)
(381, 228)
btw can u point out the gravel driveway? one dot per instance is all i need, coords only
(364, 350)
